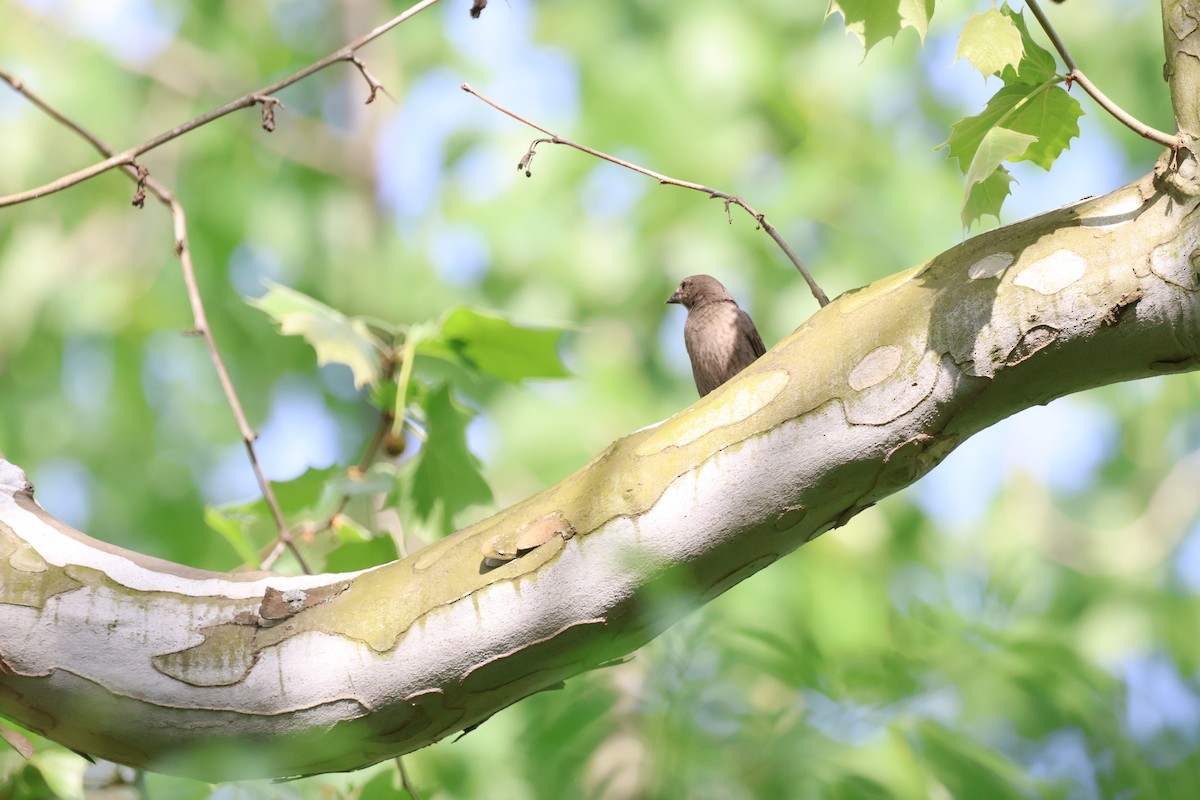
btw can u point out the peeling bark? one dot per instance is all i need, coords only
(218, 676)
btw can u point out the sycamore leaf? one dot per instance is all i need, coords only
(1045, 112)
(986, 197)
(443, 478)
(990, 41)
(998, 145)
(337, 338)
(496, 346)
(1037, 64)
(872, 21)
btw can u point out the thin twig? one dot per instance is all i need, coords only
(372, 82)
(200, 319)
(729, 199)
(405, 782)
(1075, 75)
(125, 157)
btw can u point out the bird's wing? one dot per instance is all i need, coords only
(756, 342)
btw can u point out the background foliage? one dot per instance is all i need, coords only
(1020, 624)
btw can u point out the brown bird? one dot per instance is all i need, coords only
(721, 338)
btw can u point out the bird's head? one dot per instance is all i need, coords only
(698, 290)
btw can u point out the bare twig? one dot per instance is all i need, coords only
(142, 177)
(405, 782)
(729, 199)
(372, 82)
(126, 157)
(1075, 75)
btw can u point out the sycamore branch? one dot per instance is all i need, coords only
(219, 676)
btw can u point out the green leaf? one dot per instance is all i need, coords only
(1045, 112)
(986, 197)
(312, 495)
(338, 339)
(350, 530)
(965, 768)
(1037, 63)
(496, 346)
(998, 145)
(443, 478)
(63, 772)
(990, 41)
(234, 524)
(353, 556)
(872, 21)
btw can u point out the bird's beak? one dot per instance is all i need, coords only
(675, 298)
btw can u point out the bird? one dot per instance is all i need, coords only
(721, 339)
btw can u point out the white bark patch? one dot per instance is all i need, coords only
(1172, 261)
(48, 546)
(990, 266)
(1053, 273)
(1113, 211)
(735, 402)
(889, 400)
(875, 366)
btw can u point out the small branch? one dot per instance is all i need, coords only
(405, 782)
(665, 180)
(371, 80)
(1075, 75)
(346, 53)
(141, 177)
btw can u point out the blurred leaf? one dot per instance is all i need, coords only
(965, 768)
(443, 478)
(384, 786)
(313, 495)
(233, 524)
(62, 770)
(337, 338)
(990, 41)
(872, 21)
(493, 344)
(175, 788)
(350, 531)
(378, 479)
(353, 556)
